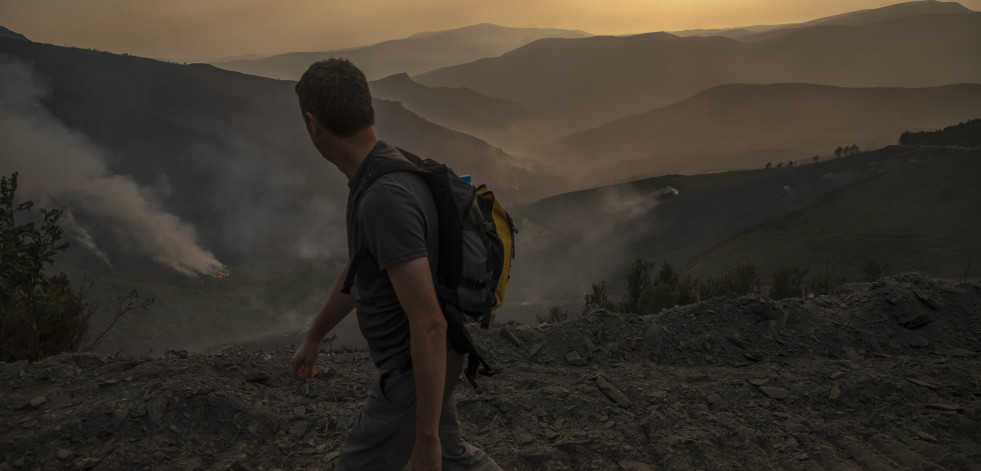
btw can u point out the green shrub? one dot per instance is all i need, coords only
(788, 282)
(555, 315)
(738, 280)
(657, 297)
(647, 294)
(40, 314)
(824, 284)
(687, 291)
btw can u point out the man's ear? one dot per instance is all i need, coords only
(311, 121)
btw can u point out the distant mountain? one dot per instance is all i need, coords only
(500, 122)
(855, 18)
(890, 12)
(416, 54)
(8, 34)
(590, 81)
(898, 12)
(739, 126)
(225, 152)
(731, 33)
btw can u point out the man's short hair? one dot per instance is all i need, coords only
(336, 92)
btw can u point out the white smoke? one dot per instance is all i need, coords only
(59, 167)
(317, 238)
(68, 222)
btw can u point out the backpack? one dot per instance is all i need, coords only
(476, 246)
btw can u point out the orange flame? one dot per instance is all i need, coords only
(221, 272)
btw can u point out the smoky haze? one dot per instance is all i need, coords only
(62, 168)
(568, 242)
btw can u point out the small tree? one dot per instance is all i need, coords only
(637, 282)
(668, 276)
(600, 298)
(40, 314)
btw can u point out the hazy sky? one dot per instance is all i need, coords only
(201, 30)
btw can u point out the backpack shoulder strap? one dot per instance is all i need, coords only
(389, 166)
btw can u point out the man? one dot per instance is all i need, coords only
(409, 412)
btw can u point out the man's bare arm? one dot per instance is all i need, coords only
(413, 285)
(337, 307)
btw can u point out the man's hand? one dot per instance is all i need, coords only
(338, 306)
(427, 455)
(301, 367)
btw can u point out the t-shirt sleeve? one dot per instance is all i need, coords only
(393, 225)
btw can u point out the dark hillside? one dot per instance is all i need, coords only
(967, 134)
(593, 235)
(921, 214)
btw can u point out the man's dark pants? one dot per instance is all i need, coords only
(383, 436)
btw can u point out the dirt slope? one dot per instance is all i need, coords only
(881, 379)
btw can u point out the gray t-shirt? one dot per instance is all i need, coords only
(395, 219)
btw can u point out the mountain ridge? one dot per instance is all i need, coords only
(898, 10)
(503, 123)
(629, 75)
(414, 54)
(752, 123)
(8, 34)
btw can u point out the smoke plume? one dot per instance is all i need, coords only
(61, 168)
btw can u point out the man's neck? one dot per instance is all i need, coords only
(353, 150)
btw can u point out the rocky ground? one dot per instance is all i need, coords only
(880, 379)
